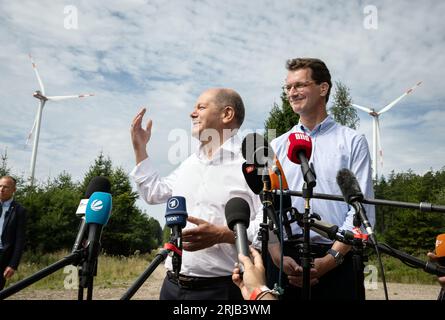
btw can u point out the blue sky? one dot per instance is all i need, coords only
(162, 54)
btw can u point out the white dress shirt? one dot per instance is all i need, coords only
(334, 147)
(207, 185)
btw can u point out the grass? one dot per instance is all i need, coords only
(397, 271)
(113, 271)
(118, 271)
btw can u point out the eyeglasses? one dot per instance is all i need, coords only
(297, 86)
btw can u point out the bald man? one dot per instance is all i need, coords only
(207, 179)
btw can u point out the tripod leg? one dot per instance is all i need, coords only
(80, 288)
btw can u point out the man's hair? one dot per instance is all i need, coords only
(229, 97)
(11, 178)
(320, 73)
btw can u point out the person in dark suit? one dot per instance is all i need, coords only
(12, 229)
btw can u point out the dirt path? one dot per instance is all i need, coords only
(151, 287)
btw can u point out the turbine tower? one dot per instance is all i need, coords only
(377, 151)
(40, 94)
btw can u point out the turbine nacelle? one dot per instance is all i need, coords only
(38, 94)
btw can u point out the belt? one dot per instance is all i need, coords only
(187, 282)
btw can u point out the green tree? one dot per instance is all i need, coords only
(128, 229)
(342, 110)
(4, 170)
(166, 234)
(281, 118)
(102, 167)
(410, 230)
(51, 220)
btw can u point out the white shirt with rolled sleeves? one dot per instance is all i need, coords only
(207, 185)
(334, 147)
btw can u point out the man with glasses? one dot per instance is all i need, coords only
(12, 229)
(308, 85)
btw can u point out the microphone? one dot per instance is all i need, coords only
(299, 151)
(256, 150)
(274, 172)
(96, 184)
(353, 196)
(176, 219)
(96, 217)
(440, 249)
(237, 213)
(252, 177)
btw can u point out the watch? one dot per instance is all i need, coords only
(337, 256)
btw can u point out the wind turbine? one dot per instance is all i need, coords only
(377, 151)
(40, 94)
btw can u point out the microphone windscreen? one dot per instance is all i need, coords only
(296, 143)
(256, 150)
(101, 184)
(440, 246)
(274, 181)
(237, 210)
(252, 177)
(349, 186)
(98, 208)
(176, 212)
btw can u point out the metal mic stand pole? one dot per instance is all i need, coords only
(266, 198)
(306, 260)
(357, 260)
(73, 258)
(160, 257)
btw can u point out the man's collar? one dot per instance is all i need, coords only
(320, 128)
(7, 202)
(231, 145)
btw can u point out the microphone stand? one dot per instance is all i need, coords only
(357, 260)
(307, 193)
(160, 257)
(422, 206)
(306, 259)
(266, 198)
(74, 258)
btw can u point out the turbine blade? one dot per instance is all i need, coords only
(362, 108)
(60, 98)
(379, 143)
(34, 66)
(31, 132)
(392, 104)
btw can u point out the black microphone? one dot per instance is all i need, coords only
(237, 212)
(176, 219)
(96, 184)
(256, 150)
(353, 196)
(252, 177)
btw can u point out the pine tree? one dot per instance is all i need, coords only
(342, 110)
(281, 119)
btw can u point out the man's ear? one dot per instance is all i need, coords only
(324, 88)
(228, 114)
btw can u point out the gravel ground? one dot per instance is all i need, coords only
(151, 287)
